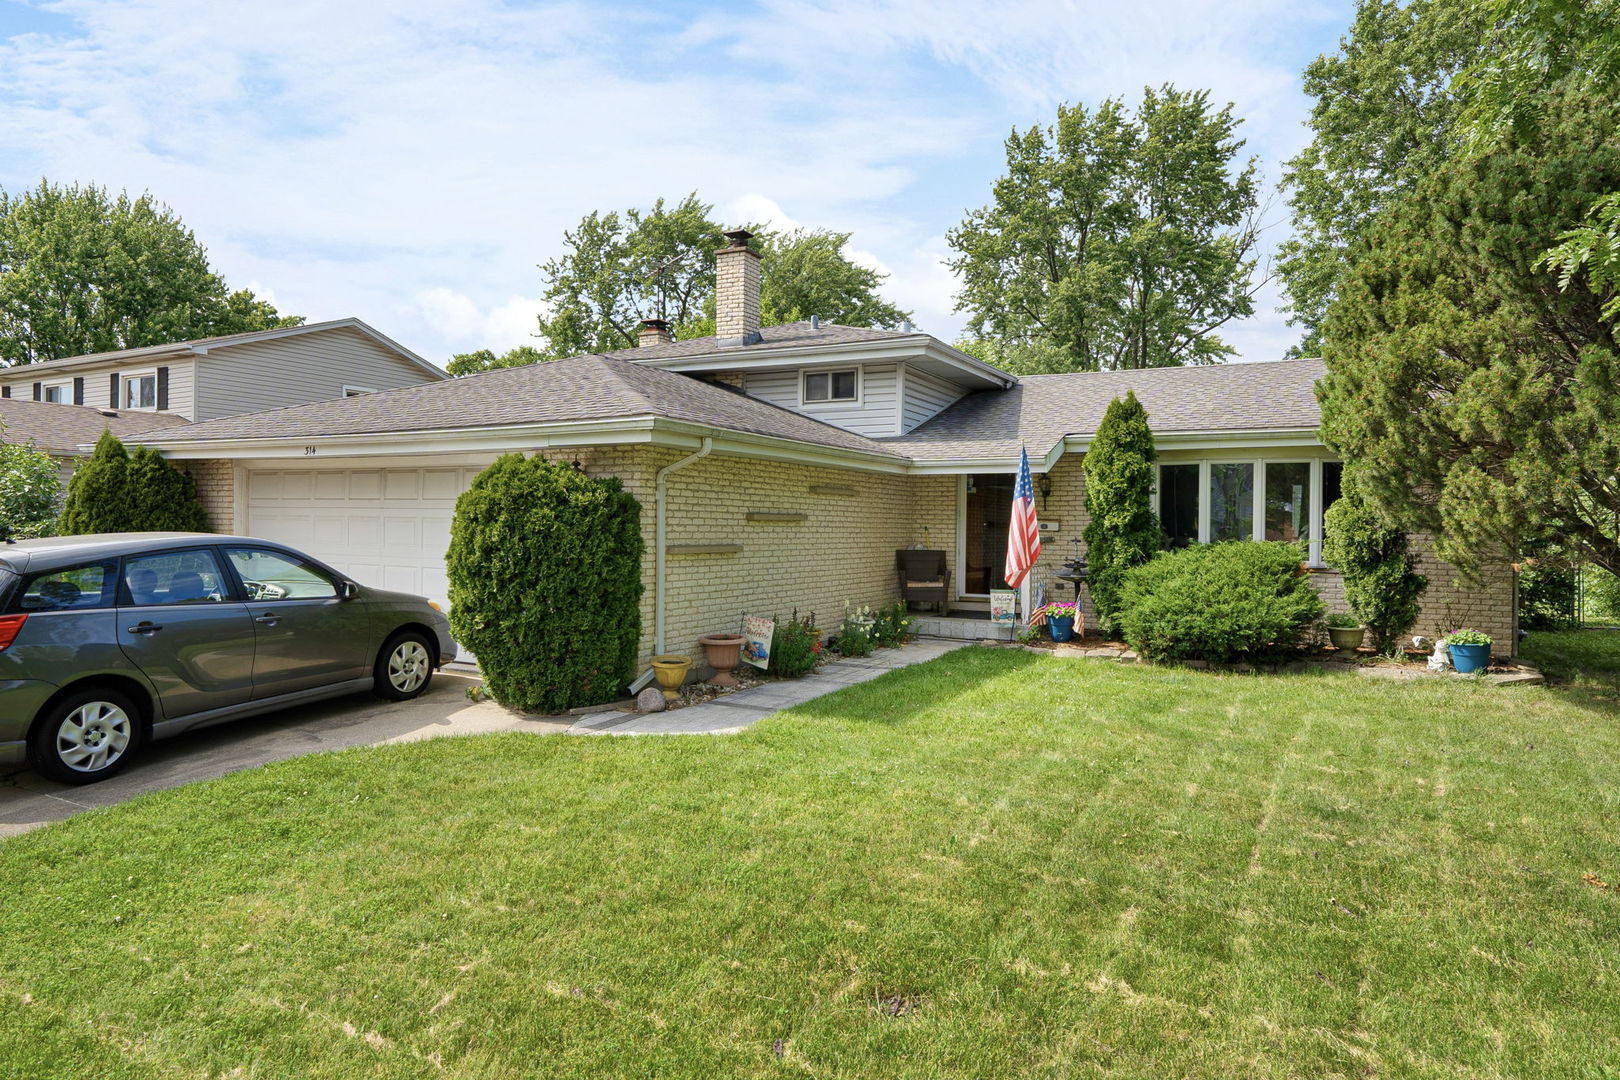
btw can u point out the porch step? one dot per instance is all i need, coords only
(960, 629)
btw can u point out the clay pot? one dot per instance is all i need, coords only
(723, 652)
(671, 673)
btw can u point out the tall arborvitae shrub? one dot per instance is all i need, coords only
(545, 583)
(1123, 531)
(117, 491)
(1381, 582)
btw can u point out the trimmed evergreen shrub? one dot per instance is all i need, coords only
(545, 583)
(118, 491)
(1123, 530)
(1219, 602)
(1381, 582)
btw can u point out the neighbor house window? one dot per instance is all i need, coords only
(60, 393)
(831, 385)
(138, 390)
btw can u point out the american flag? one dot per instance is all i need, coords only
(1023, 532)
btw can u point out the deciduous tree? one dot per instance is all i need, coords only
(82, 272)
(1385, 116)
(30, 488)
(1119, 239)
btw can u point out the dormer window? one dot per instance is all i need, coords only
(825, 386)
(58, 393)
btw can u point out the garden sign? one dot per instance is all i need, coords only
(756, 649)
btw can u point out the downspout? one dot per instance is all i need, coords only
(660, 527)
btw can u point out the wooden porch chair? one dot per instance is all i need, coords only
(924, 578)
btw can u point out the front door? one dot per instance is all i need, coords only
(308, 635)
(179, 622)
(987, 512)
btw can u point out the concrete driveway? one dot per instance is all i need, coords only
(28, 800)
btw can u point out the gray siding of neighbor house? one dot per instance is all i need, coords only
(293, 370)
(874, 415)
(922, 397)
(98, 383)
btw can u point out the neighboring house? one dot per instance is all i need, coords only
(781, 468)
(66, 432)
(222, 376)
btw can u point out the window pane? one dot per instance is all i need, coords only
(843, 385)
(66, 590)
(59, 395)
(815, 387)
(270, 575)
(140, 393)
(1288, 501)
(1178, 504)
(1231, 502)
(1332, 482)
(178, 577)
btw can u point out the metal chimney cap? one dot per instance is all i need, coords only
(738, 237)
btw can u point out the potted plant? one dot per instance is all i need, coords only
(671, 673)
(1060, 616)
(723, 652)
(1346, 631)
(1470, 650)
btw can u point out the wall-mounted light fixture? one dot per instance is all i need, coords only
(1044, 486)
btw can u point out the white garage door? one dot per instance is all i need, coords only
(383, 527)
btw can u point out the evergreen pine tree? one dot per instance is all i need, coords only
(1123, 530)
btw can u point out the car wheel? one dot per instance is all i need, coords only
(404, 667)
(85, 737)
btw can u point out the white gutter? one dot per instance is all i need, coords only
(660, 527)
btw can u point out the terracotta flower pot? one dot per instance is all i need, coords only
(671, 673)
(723, 652)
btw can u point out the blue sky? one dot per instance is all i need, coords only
(411, 161)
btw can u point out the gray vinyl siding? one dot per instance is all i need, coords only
(298, 369)
(98, 383)
(874, 415)
(924, 397)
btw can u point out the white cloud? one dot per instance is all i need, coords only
(411, 161)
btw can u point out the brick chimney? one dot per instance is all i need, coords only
(653, 332)
(736, 291)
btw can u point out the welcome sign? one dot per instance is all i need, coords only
(757, 633)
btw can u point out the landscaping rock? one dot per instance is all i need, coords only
(651, 700)
(1516, 678)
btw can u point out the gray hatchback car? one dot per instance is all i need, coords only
(107, 641)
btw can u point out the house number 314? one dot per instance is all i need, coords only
(309, 451)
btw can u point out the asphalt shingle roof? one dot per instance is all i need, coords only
(1042, 409)
(590, 387)
(62, 429)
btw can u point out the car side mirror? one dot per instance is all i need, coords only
(349, 590)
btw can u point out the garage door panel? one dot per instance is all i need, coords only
(388, 528)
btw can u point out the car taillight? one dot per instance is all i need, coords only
(9, 626)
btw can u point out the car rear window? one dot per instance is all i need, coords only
(69, 589)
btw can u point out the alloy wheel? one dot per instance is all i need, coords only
(409, 666)
(93, 736)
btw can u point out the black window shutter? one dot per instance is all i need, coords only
(5, 391)
(78, 390)
(112, 395)
(38, 394)
(163, 388)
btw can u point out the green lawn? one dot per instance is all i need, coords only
(1588, 660)
(1045, 867)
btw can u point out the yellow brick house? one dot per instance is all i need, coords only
(782, 467)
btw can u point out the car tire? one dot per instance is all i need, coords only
(404, 667)
(85, 737)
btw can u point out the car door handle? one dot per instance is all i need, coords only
(145, 628)
(268, 620)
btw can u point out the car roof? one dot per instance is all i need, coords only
(54, 551)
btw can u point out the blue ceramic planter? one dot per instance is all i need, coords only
(1061, 628)
(1468, 659)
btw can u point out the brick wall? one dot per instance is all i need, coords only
(216, 490)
